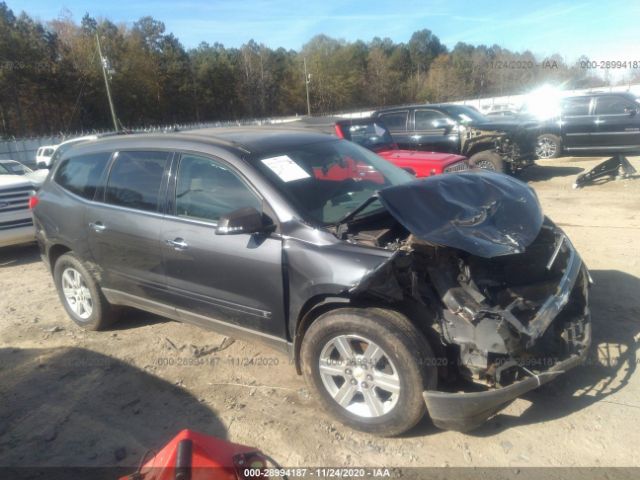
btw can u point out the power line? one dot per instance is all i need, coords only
(106, 84)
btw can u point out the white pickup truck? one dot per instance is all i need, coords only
(16, 222)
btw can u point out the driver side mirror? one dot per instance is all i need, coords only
(630, 110)
(244, 220)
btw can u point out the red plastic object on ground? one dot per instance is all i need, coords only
(194, 456)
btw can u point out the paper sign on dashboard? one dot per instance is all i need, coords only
(285, 168)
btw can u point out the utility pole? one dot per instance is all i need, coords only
(106, 84)
(307, 79)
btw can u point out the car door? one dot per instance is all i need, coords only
(216, 281)
(618, 123)
(398, 124)
(124, 224)
(578, 124)
(434, 131)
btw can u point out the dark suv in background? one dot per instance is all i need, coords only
(495, 144)
(593, 123)
(392, 295)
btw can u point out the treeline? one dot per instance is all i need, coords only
(51, 82)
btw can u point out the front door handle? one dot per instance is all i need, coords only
(97, 227)
(177, 244)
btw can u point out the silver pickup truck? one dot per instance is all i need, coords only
(16, 223)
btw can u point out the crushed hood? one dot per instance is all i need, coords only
(483, 213)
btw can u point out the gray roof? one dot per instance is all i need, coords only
(239, 140)
(261, 139)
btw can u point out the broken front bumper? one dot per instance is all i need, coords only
(466, 411)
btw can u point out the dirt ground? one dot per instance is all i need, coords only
(69, 397)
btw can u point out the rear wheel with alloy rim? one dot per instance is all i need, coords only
(369, 368)
(80, 295)
(76, 293)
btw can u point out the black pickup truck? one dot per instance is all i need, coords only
(592, 123)
(495, 144)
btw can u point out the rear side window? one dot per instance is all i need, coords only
(135, 180)
(80, 175)
(396, 121)
(612, 105)
(576, 106)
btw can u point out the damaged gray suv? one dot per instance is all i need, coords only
(395, 297)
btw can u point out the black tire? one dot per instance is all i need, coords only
(548, 146)
(487, 160)
(411, 359)
(102, 314)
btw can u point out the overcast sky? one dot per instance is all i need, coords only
(602, 29)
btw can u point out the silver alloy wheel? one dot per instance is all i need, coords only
(359, 375)
(77, 293)
(486, 165)
(546, 148)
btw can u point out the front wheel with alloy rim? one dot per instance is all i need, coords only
(548, 146)
(369, 367)
(487, 160)
(80, 295)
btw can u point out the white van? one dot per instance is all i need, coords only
(44, 154)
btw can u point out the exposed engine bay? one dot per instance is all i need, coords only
(500, 315)
(513, 142)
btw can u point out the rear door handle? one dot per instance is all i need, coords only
(177, 244)
(97, 227)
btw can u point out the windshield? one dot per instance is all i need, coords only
(370, 135)
(326, 181)
(464, 114)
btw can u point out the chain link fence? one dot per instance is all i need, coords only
(24, 149)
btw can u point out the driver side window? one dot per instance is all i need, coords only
(429, 120)
(207, 190)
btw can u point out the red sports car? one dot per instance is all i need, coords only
(375, 136)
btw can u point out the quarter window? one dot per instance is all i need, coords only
(135, 180)
(81, 175)
(612, 105)
(396, 121)
(207, 190)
